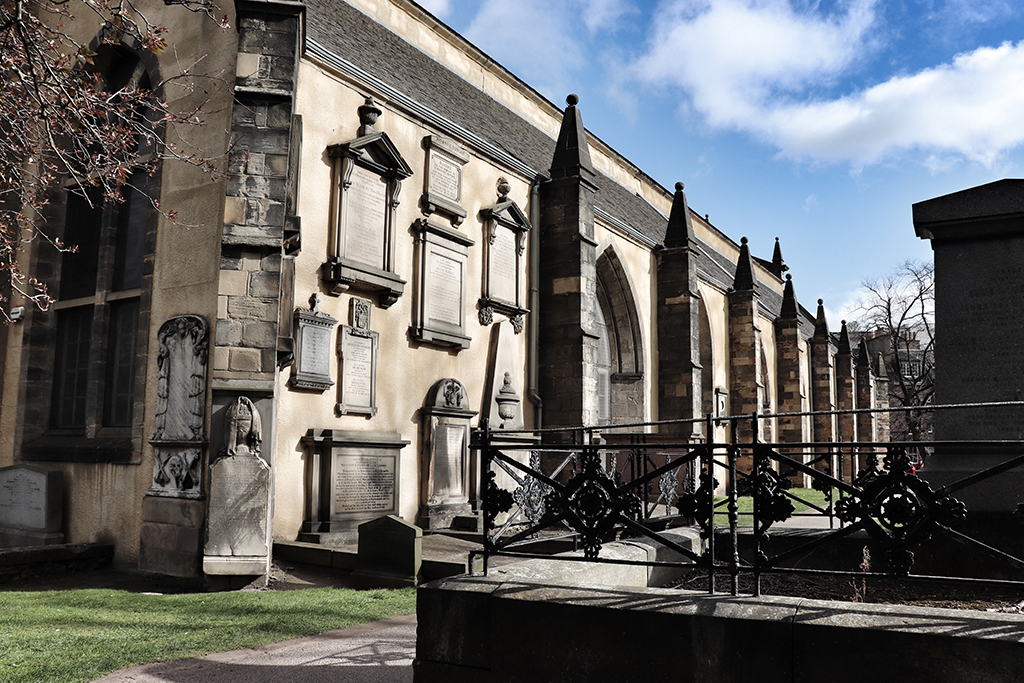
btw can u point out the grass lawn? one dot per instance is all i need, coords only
(746, 505)
(78, 635)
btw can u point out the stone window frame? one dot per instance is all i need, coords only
(96, 440)
(617, 298)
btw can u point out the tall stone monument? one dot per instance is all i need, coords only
(445, 458)
(237, 533)
(977, 236)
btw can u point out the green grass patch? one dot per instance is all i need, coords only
(746, 505)
(78, 635)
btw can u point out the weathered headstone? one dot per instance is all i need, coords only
(390, 553)
(237, 541)
(977, 236)
(31, 506)
(445, 457)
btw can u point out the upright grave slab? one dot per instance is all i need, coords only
(444, 477)
(977, 236)
(31, 506)
(390, 553)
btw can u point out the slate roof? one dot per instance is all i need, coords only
(369, 45)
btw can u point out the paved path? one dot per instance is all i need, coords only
(378, 652)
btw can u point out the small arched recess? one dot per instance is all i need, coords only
(620, 343)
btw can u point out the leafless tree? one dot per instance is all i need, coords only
(898, 313)
(63, 126)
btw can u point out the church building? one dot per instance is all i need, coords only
(408, 240)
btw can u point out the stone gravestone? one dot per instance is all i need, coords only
(445, 456)
(977, 236)
(390, 553)
(31, 505)
(237, 540)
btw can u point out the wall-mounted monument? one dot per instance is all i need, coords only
(357, 351)
(31, 506)
(977, 236)
(368, 174)
(506, 228)
(441, 255)
(445, 465)
(312, 368)
(351, 477)
(173, 510)
(237, 533)
(443, 192)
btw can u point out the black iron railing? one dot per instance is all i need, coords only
(596, 488)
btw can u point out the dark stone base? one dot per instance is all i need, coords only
(442, 516)
(171, 541)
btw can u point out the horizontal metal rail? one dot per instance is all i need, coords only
(595, 492)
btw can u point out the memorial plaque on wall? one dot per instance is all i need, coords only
(442, 254)
(506, 229)
(358, 347)
(365, 218)
(313, 348)
(367, 181)
(443, 192)
(351, 477)
(445, 485)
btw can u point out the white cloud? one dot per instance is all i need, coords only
(756, 65)
(439, 8)
(542, 41)
(972, 107)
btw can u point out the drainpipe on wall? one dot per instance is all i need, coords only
(531, 392)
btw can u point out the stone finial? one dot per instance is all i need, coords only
(863, 361)
(368, 115)
(503, 187)
(778, 265)
(844, 340)
(821, 324)
(680, 225)
(790, 306)
(744, 280)
(572, 153)
(314, 302)
(880, 371)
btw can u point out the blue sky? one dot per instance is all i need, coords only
(818, 122)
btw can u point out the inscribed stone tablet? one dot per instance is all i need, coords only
(30, 499)
(358, 371)
(239, 504)
(313, 353)
(364, 483)
(448, 462)
(364, 230)
(445, 176)
(502, 263)
(444, 298)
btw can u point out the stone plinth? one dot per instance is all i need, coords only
(977, 236)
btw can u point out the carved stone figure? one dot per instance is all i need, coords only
(243, 429)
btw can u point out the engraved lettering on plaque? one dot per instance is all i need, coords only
(445, 177)
(364, 483)
(358, 370)
(444, 298)
(364, 231)
(503, 266)
(448, 469)
(316, 344)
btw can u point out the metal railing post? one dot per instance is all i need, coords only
(734, 508)
(708, 465)
(488, 508)
(756, 472)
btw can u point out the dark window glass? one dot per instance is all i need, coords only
(70, 382)
(131, 234)
(82, 230)
(124, 332)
